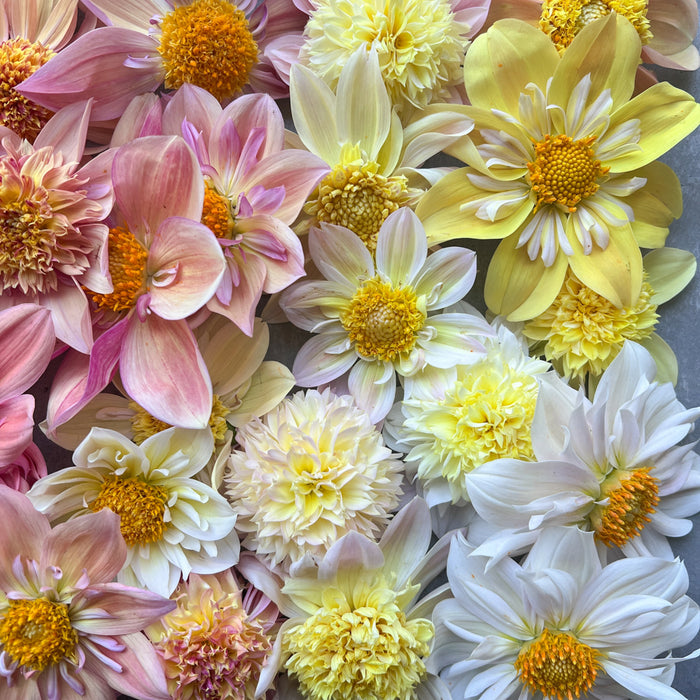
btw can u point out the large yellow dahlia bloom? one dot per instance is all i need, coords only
(562, 164)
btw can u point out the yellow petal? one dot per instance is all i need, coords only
(500, 63)
(520, 288)
(669, 271)
(616, 272)
(665, 358)
(666, 114)
(607, 49)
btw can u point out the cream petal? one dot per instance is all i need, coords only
(340, 255)
(319, 360)
(445, 278)
(179, 453)
(401, 248)
(373, 386)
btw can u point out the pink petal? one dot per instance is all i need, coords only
(143, 117)
(26, 344)
(98, 173)
(249, 112)
(196, 105)
(16, 426)
(163, 371)
(94, 66)
(66, 131)
(156, 177)
(90, 542)
(70, 315)
(192, 252)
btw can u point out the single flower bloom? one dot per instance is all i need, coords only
(67, 631)
(307, 473)
(356, 626)
(562, 164)
(582, 332)
(53, 246)
(377, 319)
(31, 33)
(215, 44)
(254, 188)
(420, 45)
(374, 160)
(217, 640)
(560, 625)
(467, 415)
(164, 265)
(172, 524)
(612, 465)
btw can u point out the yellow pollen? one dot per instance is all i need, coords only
(207, 43)
(562, 20)
(383, 321)
(358, 647)
(216, 213)
(558, 665)
(564, 171)
(20, 58)
(358, 198)
(582, 332)
(37, 633)
(140, 505)
(127, 267)
(143, 424)
(632, 497)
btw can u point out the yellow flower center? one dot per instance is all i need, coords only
(127, 267)
(216, 213)
(140, 505)
(358, 647)
(383, 321)
(557, 665)
(582, 332)
(564, 171)
(562, 20)
(37, 633)
(632, 497)
(357, 197)
(143, 424)
(208, 43)
(20, 58)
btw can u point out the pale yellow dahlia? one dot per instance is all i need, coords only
(562, 164)
(307, 472)
(420, 44)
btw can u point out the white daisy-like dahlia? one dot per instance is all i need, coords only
(376, 319)
(468, 415)
(172, 524)
(310, 471)
(612, 465)
(561, 625)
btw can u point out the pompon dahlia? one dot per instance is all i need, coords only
(216, 642)
(308, 472)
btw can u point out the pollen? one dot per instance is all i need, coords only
(207, 43)
(358, 647)
(631, 497)
(216, 213)
(562, 20)
(582, 332)
(127, 267)
(557, 665)
(564, 171)
(359, 198)
(37, 633)
(20, 58)
(141, 507)
(383, 321)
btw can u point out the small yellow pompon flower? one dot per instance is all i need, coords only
(355, 631)
(374, 160)
(420, 45)
(582, 332)
(308, 472)
(562, 164)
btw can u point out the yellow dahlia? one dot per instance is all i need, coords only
(308, 472)
(562, 164)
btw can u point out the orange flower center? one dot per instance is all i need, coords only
(20, 58)
(216, 213)
(558, 665)
(564, 171)
(127, 267)
(207, 43)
